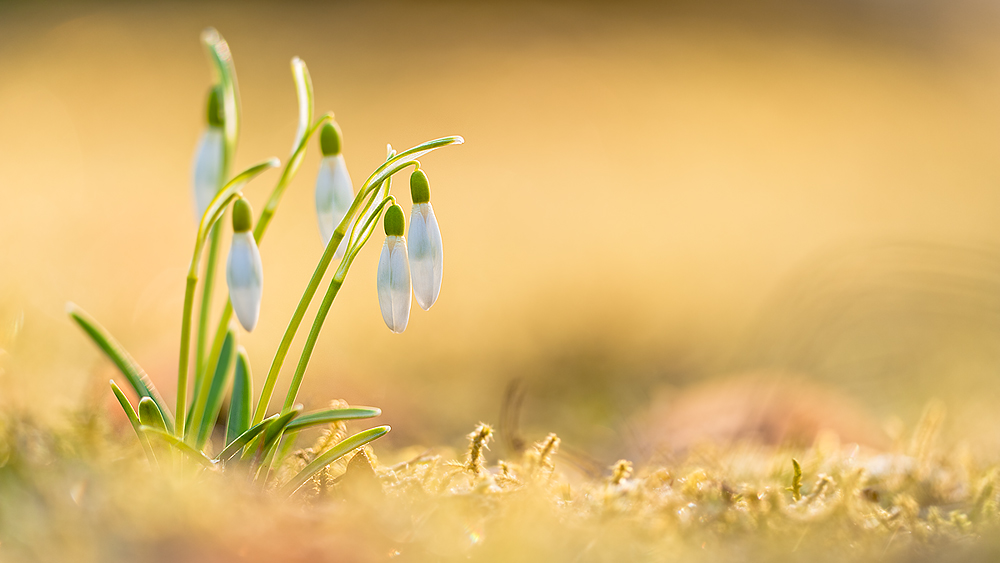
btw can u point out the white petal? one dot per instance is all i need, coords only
(426, 255)
(245, 276)
(334, 195)
(393, 282)
(206, 171)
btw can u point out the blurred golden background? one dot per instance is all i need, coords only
(652, 198)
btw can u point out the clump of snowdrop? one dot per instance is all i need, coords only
(222, 369)
(393, 277)
(334, 190)
(425, 251)
(209, 156)
(244, 271)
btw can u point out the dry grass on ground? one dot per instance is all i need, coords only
(83, 494)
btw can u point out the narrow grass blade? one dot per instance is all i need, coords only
(222, 59)
(180, 445)
(150, 415)
(236, 445)
(285, 447)
(304, 91)
(331, 455)
(319, 418)
(225, 70)
(239, 405)
(212, 402)
(133, 419)
(265, 452)
(277, 428)
(136, 377)
(212, 215)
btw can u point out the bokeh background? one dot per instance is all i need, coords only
(669, 220)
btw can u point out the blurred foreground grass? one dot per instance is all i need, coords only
(86, 495)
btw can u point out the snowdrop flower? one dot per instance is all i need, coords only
(244, 272)
(393, 277)
(425, 251)
(334, 191)
(209, 157)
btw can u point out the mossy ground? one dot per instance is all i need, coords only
(83, 493)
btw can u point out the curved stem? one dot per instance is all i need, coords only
(291, 168)
(212, 214)
(286, 177)
(296, 320)
(324, 308)
(307, 350)
(382, 173)
(368, 212)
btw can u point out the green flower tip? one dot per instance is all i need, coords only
(394, 223)
(215, 114)
(420, 188)
(330, 139)
(242, 216)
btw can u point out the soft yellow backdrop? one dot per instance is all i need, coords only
(642, 193)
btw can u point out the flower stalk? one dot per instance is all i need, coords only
(212, 215)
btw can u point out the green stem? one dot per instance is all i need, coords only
(382, 173)
(220, 333)
(182, 370)
(307, 350)
(212, 214)
(331, 293)
(206, 304)
(296, 320)
(291, 168)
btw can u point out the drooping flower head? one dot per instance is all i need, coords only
(334, 190)
(425, 251)
(244, 271)
(209, 157)
(393, 276)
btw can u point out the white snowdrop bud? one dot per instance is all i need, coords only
(209, 157)
(425, 251)
(244, 271)
(393, 277)
(334, 190)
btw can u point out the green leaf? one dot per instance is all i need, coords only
(265, 451)
(285, 447)
(222, 60)
(304, 91)
(333, 454)
(150, 415)
(239, 405)
(180, 445)
(134, 374)
(319, 418)
(212, 402)
(234, 447)
(132, 418)
(275, 430)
